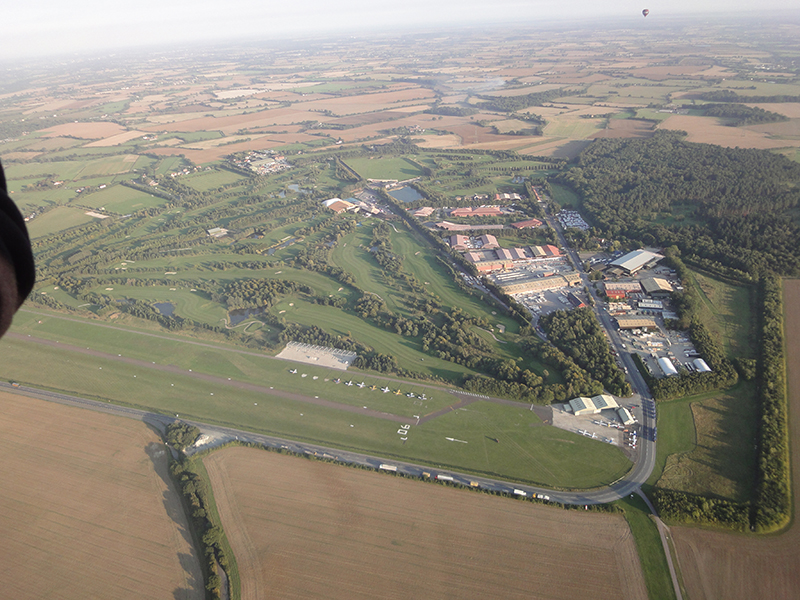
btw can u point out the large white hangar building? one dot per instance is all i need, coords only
(635, 261)
(593, 405)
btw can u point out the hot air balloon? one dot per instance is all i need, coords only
(645, 12)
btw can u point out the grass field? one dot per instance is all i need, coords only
(121, 199)
(287, 517)
(88, 508)
(192, 380)
(738, 566)
(384, 168)
(58, 219)
(648, 545)
(726, 311)
(720, 460)
(563, 196)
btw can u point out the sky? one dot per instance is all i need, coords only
(45, 27)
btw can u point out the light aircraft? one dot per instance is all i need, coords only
(349, 383)
(385, 389)
(293, 371)
(398, 392)
(410, 395)
(361, 385)
(423, 397)
(373, 387)
(337, 381)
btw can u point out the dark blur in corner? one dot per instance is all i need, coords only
(17, 271)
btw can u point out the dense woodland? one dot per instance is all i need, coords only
(736, 200)
(579, 334)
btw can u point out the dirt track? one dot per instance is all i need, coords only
(727, 566)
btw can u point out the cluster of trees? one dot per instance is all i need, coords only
(196, 496)
(376, 361)
(739, 198)
(515, 103)
(731, 96)
(258, 293)
(741, 114)
(682, 507)
(181, 435)
(317, 337)
(579, 334)
(390, 262)
(451, 111)
(773, 507)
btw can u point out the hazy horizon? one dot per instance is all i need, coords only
(88, 26)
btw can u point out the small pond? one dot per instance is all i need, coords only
(165, 308)
(406, 194)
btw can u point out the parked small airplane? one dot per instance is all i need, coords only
(292, 370)
(349, 383)
(385, 389)
(361, 385)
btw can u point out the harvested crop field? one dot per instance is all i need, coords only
(305, 529)
(86, 130)
(626, 128)
(87, 510)
(710, 130)
(733, 566)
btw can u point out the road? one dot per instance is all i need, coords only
(223, 435)
(645, 457)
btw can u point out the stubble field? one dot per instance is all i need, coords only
(87, 510)
(304, 529)
(733, 566)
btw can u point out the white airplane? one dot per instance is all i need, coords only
(385, 389)
(349, 383)
(293, 371)
(423, 397)
(361, 385)
(410, 395)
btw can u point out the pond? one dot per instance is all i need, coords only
(240, 314)
(406, 194)
(165, 308)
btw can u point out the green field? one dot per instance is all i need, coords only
(726, 311)
(121, 199)
(384, 168)
(208, 180)
(563, 196)
(524, 449)
(648, 544)
(58, 219)
(706, 444)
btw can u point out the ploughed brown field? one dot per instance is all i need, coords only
(723, 566)
(86, 510)
(306, 529)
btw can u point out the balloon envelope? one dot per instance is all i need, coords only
(645, 12)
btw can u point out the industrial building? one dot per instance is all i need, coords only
(592, 406)
(635, 261)
(523, 282)
(666, 366)
(548, 251)
(625, 416)
(701, 365)
(657, 287)
(634, 322)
